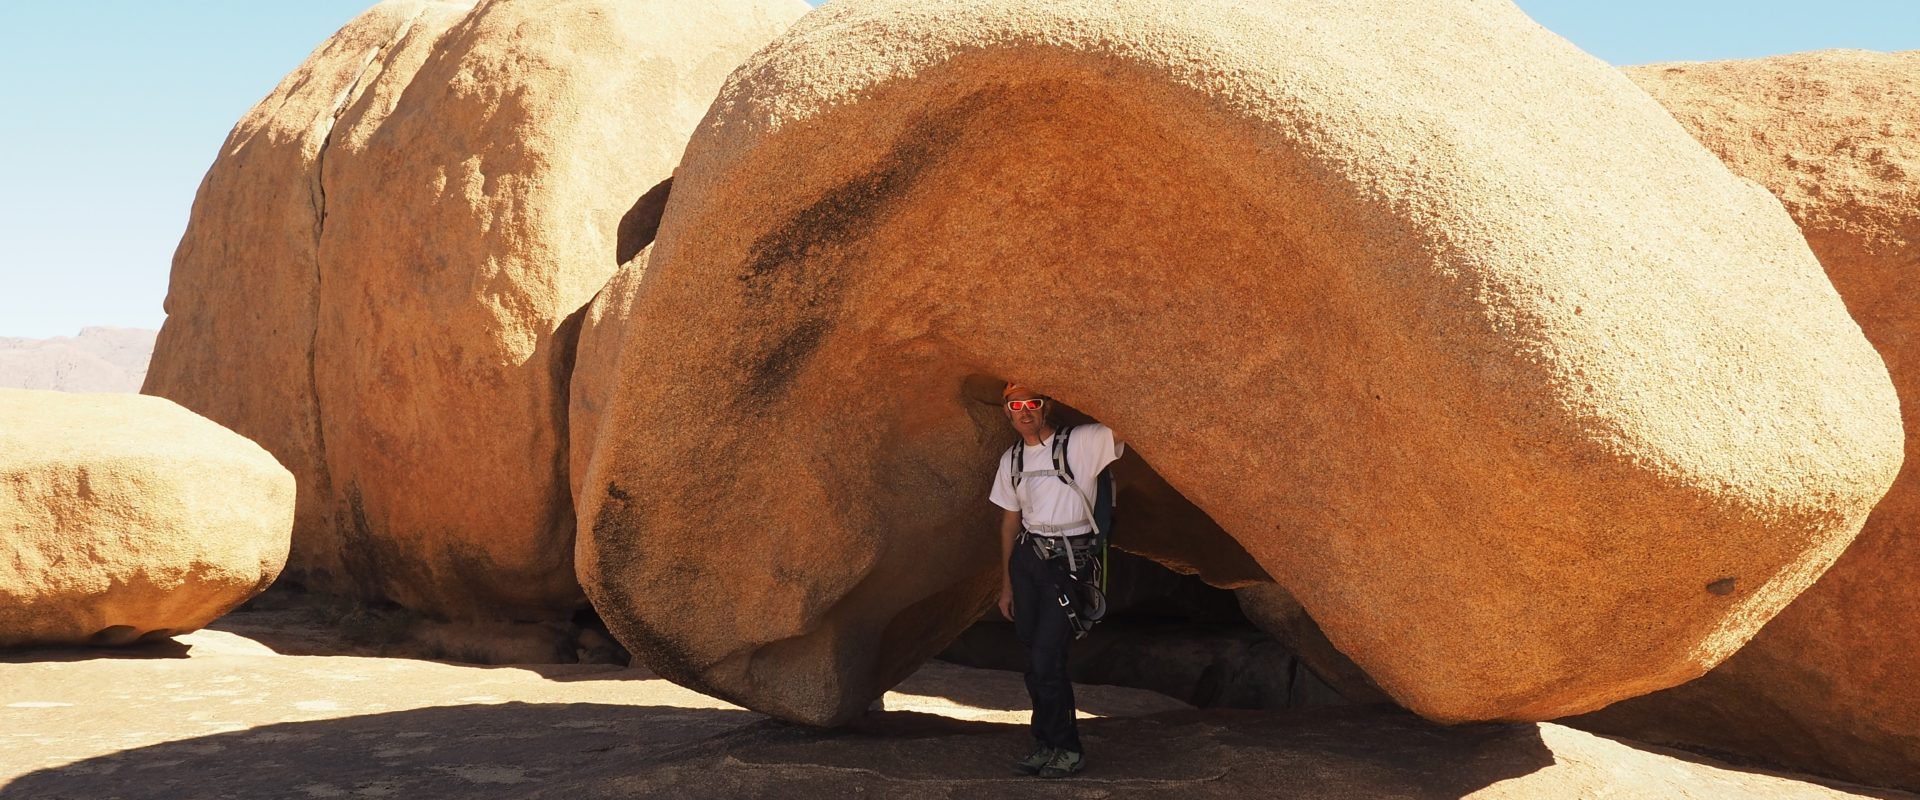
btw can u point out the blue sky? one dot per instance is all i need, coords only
(112, 110)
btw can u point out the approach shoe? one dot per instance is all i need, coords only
(1034, 761)
(1063, 763)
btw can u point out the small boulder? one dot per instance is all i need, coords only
(126, 518)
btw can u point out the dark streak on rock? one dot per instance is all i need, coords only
(796, 275)
(777, 366)
(1722, 587)
(615, 534)
(358, 556)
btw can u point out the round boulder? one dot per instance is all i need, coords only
(450, 180)
(1827, 686)
(237, 345)
(126, 518)
(1530, 402)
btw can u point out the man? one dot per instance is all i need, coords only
(1045, 517)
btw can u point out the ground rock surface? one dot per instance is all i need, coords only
(386, 260)
(1436, 316)
(124, 517)
(1828, 685)
(217, 715)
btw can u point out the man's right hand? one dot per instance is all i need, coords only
(1006, 601)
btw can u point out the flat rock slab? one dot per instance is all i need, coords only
(217, 715)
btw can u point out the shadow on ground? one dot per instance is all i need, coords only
(585, 750)
(163, 648)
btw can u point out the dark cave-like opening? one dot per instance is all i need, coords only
(1175, 622)
(1169, 633)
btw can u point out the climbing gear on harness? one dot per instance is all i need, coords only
(1083, 596)
(1079, 595)
(1088, 607)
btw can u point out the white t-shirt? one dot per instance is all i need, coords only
(1048, 500)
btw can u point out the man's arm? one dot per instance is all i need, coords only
(1009, 529)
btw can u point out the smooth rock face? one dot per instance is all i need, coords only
(1530, 402)
(237, 345)
(596, 359)
(454, 198)
(1828, 685)
(1271, 609)
(125, 517)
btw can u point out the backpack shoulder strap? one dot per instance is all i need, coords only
(1060, 462)
(1018, 463)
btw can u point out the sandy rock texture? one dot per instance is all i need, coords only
(243, 299)
(125, 518)
(100, 359)
(387, 259)
(1530, 402)
(1273, 610)
(603, 326)
(1828, 685)
(218, 715)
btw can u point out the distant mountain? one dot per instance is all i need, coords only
(98, 360)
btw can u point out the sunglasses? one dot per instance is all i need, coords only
(1025, 405)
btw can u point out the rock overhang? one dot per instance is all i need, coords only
(1506, 344)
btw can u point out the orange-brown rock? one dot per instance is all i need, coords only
(237, 345)
(1829, 684)
(602, 326)
(459, 197)
(1272, 609)
(125, 518)
(1165, 526)
(1531, 403)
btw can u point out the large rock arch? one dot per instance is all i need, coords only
(381, 267)
(1531, 403)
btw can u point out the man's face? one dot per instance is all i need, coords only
(1026, 421)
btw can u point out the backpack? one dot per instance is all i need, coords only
(1099, 507)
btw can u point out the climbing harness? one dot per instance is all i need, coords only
(1083, 596)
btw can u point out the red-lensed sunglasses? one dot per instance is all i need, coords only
(1025, 405)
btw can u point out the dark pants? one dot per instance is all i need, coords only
(1042, 627)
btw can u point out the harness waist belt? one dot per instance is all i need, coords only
(1075, 549)
(1072, 529)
